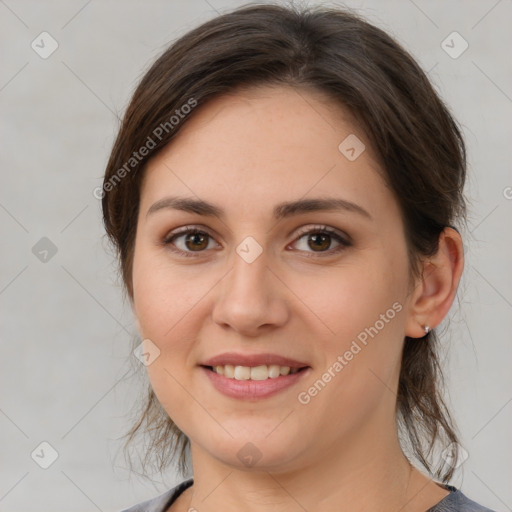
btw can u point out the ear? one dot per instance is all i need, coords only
(435, 291)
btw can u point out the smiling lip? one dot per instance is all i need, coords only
(235, 359)
(253, 389)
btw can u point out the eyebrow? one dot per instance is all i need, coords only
(280, 211)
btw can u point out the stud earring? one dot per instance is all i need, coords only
(426, 328)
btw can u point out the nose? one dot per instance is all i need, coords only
(251, 299)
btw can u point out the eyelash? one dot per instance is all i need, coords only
(318, 229)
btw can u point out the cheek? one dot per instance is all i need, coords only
(363, 310)
(163, 301)
(345, 307)
(163, 294)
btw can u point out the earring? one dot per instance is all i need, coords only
(426, 328)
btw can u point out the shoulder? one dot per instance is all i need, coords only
(163, 502)
(456, 501)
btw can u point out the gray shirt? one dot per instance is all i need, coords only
(453, 502)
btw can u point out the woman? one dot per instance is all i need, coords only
(282, 193)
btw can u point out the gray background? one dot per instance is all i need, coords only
(67, 375)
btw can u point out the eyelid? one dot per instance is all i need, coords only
(321, 227)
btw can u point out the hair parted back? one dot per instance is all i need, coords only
(357, 66)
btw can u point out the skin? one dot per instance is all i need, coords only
(246, 152)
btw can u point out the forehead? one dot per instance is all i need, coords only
(280, 117)
(254, 145)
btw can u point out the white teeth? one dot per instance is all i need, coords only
(274, 371)
(261, 372)
(242, 373)
(229, 371)
(258, 372)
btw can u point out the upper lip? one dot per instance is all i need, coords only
(232, 358)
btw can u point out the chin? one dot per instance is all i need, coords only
(255, 450)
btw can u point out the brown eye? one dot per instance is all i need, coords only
(319, 240)
(197, 241)
(188, 241)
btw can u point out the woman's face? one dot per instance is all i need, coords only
(254, 282)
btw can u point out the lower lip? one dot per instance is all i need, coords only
(253, 389)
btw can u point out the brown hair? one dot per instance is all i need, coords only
(357, 66)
